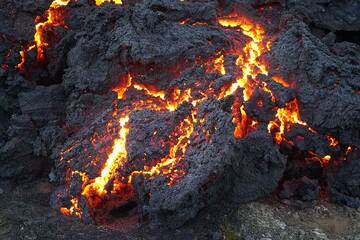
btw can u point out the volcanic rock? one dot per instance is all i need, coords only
(326, 104)
(258, 166)
(303, 188)
(149, 138)
(130, 102)
(344, 181)
(328, 14)
(43, 104)
(207, 159)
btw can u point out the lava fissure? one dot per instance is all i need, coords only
(188, 108)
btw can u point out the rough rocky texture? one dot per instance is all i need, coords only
(309, 63)
(34, 132)
(60, 113)
(261, 220)
(149, 139)
(344, 182)
(331, 15)
(257, 167)
(207, 176)
(304, 189)
(25, 214)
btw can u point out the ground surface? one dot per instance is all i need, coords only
(25, 214)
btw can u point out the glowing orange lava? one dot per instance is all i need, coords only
(241, 120)
(115, 160)
(332, 141)
(248, 60)
(99, 2)
(74, 210)
(285, 117)
(250, 64)
(280, 80)
(177, 151)
(53, 17)
(219, 65)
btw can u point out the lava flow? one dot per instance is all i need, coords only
(53, 17)
(113, 183)
(99, 2)
(248, 61)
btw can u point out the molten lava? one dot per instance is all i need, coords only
(74, 210)
(53, 17)
(115, 161)
(219, 65)
(285, 117)
(250, 64)
(99, 2)
(249, 59)
(108, 183)
(166, 165)
(332, 141)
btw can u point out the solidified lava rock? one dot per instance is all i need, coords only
(303, 188)
(95, 141)
(36, 130)
(327, 104)
(344, 181)
(258, 166)
(328, 14)
(207, 176)
(159, 70)
(217, 164)
(149, 139)
(140, 36)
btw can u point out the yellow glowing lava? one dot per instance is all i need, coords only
(99, 2)
(166, 165)
(115, 160)
(219, 65)
(248, 60)
(285, 117)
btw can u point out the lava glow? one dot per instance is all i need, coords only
(74, 210)
(280, 80)
(332, 141)
(115, 160)
(243, 123)
(53, 17)
(219, 65)
(248, 60)
(99, 2)
(250, 64)
(285, 117)
(167, 164)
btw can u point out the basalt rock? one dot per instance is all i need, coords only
(344, 186)
(208, 161)
(257, 168)
(326, 104)
(328, 14)
(144, 84)
(303, 188)
(35, 129)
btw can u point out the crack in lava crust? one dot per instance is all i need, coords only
(250, 63)
(113, 184)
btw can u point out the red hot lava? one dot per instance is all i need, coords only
(249, 62)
